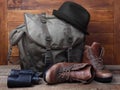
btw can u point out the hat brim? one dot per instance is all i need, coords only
(67, 19)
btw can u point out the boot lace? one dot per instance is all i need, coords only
(64, 74)
(97, 61)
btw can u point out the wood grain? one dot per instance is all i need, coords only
(108, 56)
(3, 33)
(106, 38)
(101, 27)
(96, 15)
(117, 31)
(41, 4)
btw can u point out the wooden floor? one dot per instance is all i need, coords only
(115, 85)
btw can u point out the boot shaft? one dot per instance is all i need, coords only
(93, 55)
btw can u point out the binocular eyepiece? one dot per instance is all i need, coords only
(23, 78)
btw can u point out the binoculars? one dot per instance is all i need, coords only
(23, 78)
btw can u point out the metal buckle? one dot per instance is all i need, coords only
(48, 57)
(70, 39)
(43, 18)
(48, 38)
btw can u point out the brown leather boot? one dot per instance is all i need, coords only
(69, 72)
(93, 55)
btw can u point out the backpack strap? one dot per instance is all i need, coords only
(9, 54)
(48, 54)
(14, 38)
(69, 40)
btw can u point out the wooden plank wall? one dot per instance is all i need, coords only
(3, 33)
(103, 26)
(117, 31)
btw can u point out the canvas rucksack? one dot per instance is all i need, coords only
(44, 40)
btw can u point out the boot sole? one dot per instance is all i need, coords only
(103, 80)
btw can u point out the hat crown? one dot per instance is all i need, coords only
(72, 9)
(74, 14)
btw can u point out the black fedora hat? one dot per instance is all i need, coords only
(73, 14)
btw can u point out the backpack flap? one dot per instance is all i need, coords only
(56, 28)
(34, 30)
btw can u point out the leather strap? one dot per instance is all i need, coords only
(9, 56)
(48, 54)
(69, 40)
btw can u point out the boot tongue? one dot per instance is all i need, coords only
(96, 48)
(98, 52)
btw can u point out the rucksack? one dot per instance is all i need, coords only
(44, 40)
